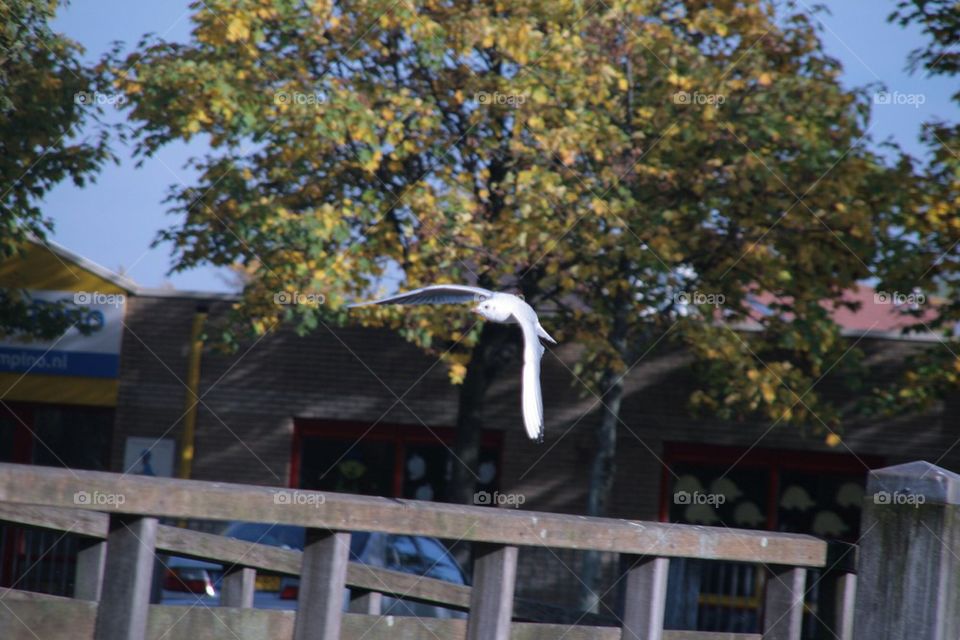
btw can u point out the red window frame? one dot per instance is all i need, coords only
(398, 434)
(774, 460)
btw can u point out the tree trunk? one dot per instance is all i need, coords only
(602, 470)
(603, 466)
(488, 359)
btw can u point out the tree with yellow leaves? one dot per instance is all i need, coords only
(735, 187)
(626, 165)
(370, 146)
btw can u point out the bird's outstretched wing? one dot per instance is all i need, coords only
(434, 294)
(532, 400)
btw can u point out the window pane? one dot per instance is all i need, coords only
(821, 504)
(348, 466)
(719, 495)
(426, 470)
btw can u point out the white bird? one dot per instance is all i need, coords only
(504, 308)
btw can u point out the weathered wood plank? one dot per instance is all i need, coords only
(709, 635)
(71, 520)
(334, 511)
(91, 560)
(237, 587)
(783, 603)
(50, 618)
(66, 619)
(646, 599)
(322, 581)
(219, 623)
(491, 601)
(229, 551)
(127, 576)
(9, 595)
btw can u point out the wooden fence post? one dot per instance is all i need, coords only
(90, 562)
(237, 587)
(837, 586)
(323, 579)
(646, 599)
(127, 576)
(783, 603)
(491, 599)
(909, 561)
(363, 601)
(846, 593)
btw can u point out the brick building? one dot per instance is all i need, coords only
(361, 410)
(286, 410)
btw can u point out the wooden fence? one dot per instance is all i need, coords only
(118, 517)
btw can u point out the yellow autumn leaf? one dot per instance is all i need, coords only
(768, 393)
(540, 95)
(457, 373)
(237, 29)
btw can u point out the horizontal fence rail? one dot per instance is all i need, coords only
(163, 497)
(118, 518)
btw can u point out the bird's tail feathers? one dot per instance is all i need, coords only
(532, 418)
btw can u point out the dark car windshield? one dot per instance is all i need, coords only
(423, 557)
(418, 555)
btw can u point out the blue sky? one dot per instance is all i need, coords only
(114, 220)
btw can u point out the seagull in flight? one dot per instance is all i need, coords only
(504, 308)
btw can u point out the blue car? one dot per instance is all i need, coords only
(187, 581)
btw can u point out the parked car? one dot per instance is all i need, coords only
(188, 581)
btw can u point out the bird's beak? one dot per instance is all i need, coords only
(476, 310)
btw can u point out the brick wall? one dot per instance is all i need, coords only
(251, 398)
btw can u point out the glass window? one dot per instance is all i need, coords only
(811, 493)
(347, 466)
(386, 460)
